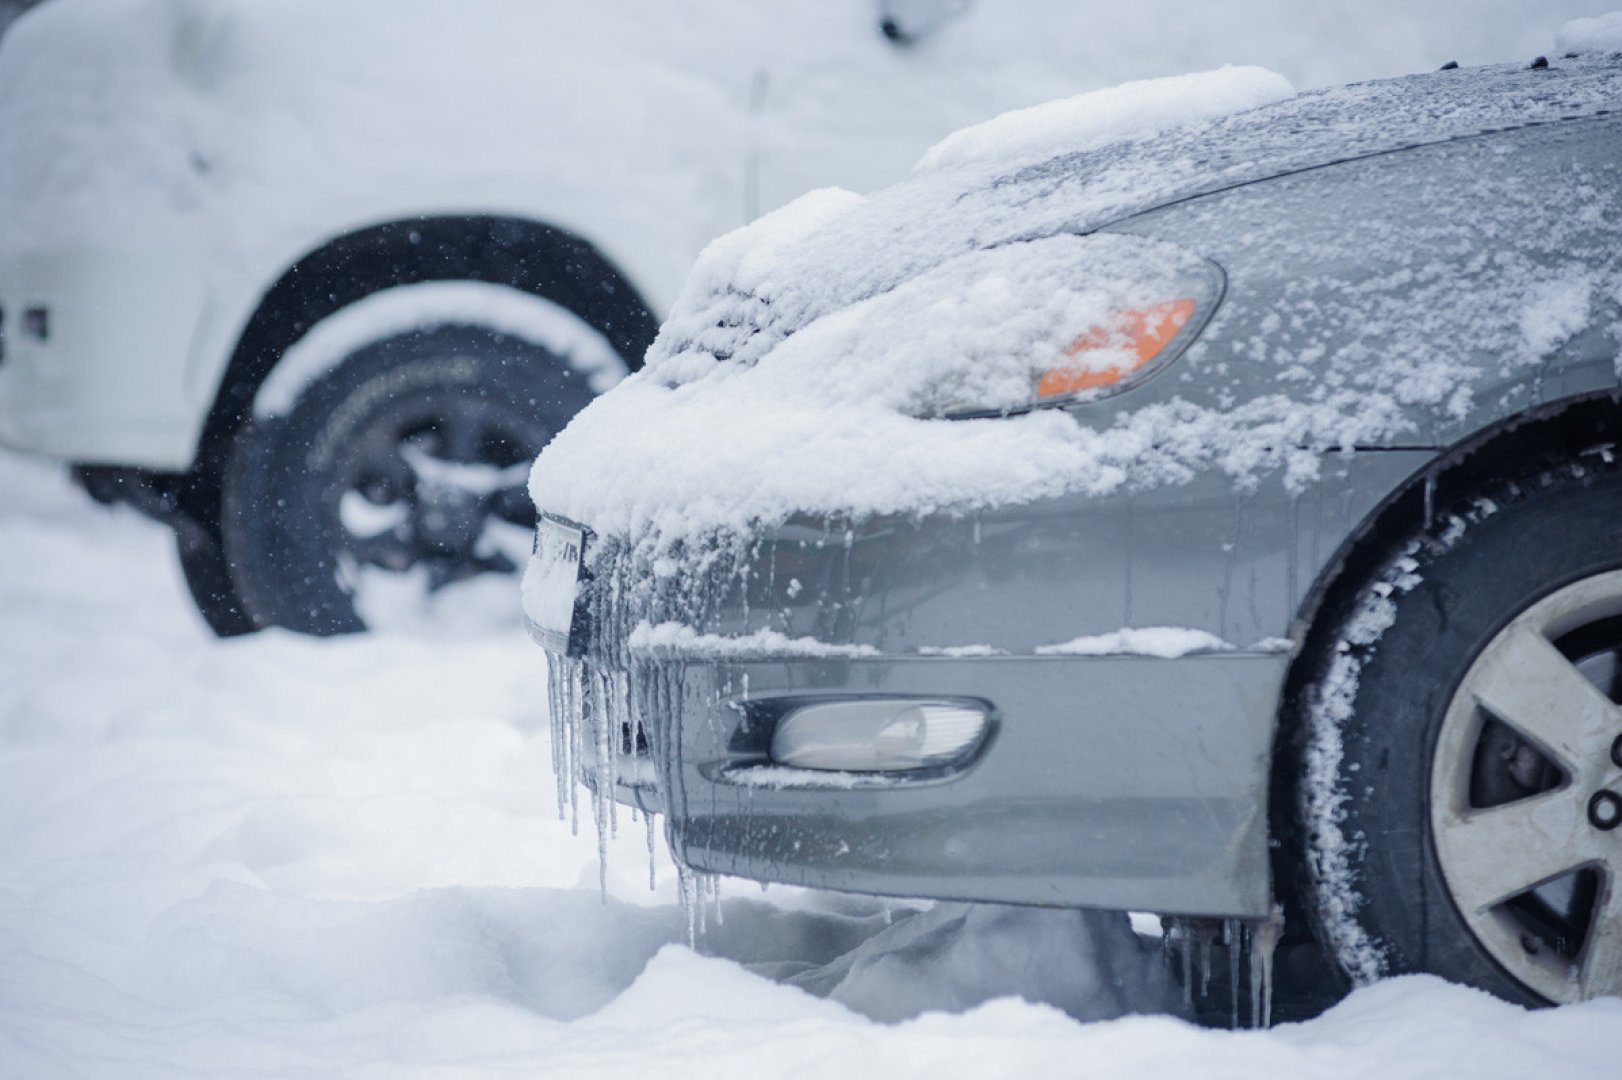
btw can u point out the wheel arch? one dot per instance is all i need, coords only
(518, 252)
(1509, 455)
(1566, 426)
(1561, 428)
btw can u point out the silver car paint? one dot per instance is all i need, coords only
(1128, 781)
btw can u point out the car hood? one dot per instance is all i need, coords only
(788, 378)
(757, 286)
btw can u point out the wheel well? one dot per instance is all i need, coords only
(1548, 433)
(1568, 426)
(522, 254)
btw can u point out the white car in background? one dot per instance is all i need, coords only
(314, 282)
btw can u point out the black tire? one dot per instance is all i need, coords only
(1422, 811)
(208, 577)
(435, 400)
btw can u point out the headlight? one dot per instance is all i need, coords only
(1153, 317)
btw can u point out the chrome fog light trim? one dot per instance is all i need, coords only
(879, 734)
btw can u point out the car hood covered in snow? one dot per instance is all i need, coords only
(780, 383)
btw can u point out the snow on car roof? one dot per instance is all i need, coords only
(794, 371)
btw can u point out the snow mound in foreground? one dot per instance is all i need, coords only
(1130, 110)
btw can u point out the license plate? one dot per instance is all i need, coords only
(552, 586)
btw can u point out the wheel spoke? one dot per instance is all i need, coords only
(1498, 853)
(1602, 952)
(1528, 684)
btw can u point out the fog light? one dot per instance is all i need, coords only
(877, 735)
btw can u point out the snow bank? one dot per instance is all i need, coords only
(957, 956)
(1131, 110)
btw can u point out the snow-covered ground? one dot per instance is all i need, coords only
(278, 856)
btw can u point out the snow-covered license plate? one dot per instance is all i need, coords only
(554, 583)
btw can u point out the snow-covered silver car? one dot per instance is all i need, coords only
(1218, 519)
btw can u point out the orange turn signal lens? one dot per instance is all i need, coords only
(1137, 335)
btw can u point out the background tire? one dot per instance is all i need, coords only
(405, 457)
(1436, 834)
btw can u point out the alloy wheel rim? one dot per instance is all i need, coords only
(1523, 755)
(429, 484)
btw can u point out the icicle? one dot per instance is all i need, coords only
(1205, 962)
(1264, 939)
(575, 706)
(558, 722)
(1231, 931)
(1188, 964)
(611, 739)
(687, 891)
(653, 861)
(602, 791)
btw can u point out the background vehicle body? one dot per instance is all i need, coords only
(1422, 302)
(190, 187)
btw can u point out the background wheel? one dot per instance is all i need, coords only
(1457, 732)
(402, 470)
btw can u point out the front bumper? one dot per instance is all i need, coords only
(1109, 781)
(1115, 782)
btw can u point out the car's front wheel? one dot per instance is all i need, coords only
(1458, 770)
(398, 476)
